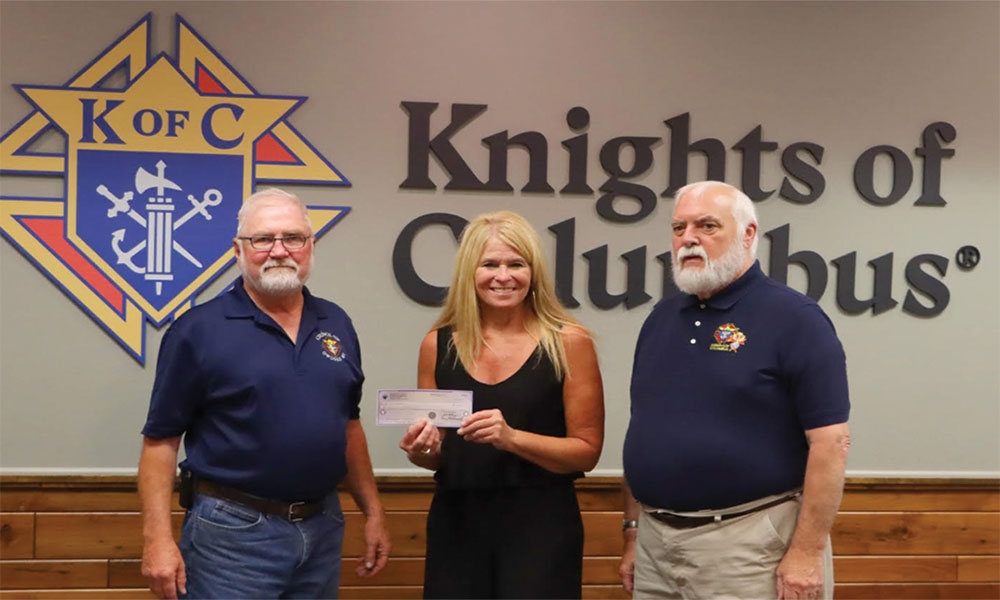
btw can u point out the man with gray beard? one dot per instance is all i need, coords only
(264, 384)
(737, 444)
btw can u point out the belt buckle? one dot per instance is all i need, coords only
(291, 511)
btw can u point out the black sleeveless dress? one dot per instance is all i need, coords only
(501, 526)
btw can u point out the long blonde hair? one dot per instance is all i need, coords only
(546, 315)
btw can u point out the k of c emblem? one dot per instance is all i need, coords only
(728, 338)
(331, 346)
(155, 173)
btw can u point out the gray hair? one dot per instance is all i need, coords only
(271, 192)
(744, 211)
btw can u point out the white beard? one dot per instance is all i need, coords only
(714, 275)
(275, 281)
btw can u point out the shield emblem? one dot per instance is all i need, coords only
(157, 219)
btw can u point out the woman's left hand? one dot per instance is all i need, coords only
(487, 427)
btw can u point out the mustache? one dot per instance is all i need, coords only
(272, 263)
(692, 251)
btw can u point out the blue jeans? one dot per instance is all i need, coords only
(233, 551)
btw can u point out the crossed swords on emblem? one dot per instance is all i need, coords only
(159, 225)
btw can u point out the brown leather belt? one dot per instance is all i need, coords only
(293, 511)
(682, 522)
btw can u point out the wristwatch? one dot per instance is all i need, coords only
(629, 524)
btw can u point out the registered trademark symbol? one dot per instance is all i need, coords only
(967, 257)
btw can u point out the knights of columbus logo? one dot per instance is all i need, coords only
(155, 172)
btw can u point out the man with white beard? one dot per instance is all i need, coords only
(737, 444)
(264, 384)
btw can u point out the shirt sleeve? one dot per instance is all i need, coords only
(355, 400)
(176, 389)
(817, 369)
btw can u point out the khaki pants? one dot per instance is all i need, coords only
(735, 558)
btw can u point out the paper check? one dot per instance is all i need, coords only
(444, 408)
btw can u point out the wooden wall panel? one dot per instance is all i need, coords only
(375, 592)
(80, 538)
(605, 592)
(125, 573)
(92, 535)
(907, 591)
(920, 501)
(399, 571)
(62, 501)
(406, 528)
(916, 533)
(979, 568)
(88, 535)
(602, 534)
(17, 535)
(415, 501)
(80, 594)
(849, 569)
(34, 574)
(601, 570)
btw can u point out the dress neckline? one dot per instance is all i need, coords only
(531, 356)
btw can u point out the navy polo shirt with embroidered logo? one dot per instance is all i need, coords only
(259, 413)
(723, 390)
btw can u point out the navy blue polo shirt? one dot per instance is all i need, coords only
(723, 391)
(259, 413)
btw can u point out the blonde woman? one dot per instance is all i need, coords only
(504, 522)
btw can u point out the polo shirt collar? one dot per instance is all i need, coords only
(732, 293)
(240, 306)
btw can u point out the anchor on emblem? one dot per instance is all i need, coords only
(158, 222)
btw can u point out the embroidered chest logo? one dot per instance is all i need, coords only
(728, 338)
(331, 346)
(157, 154)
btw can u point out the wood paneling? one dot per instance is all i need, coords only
(80, 538)
(979, 568)
(34, 574)
(92, 535)
(80, 594)
(377, 592)
(906, 591)
(605, 592)
(61, 501)
(601, 570)
(849, 569)
(920, 501)
(602, 534)
(407, 530)
(418, 501)
(916, 533)
(399, 571)
(17, 535)
(125, 573)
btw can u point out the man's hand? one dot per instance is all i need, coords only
(800, 575)
(377, 546)
(163, 568)
(627, 567)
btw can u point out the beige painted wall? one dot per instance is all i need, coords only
(846, 76)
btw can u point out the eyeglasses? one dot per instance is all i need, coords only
(266, 242)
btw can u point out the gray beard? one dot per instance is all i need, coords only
(715, 275)
(274, 282)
